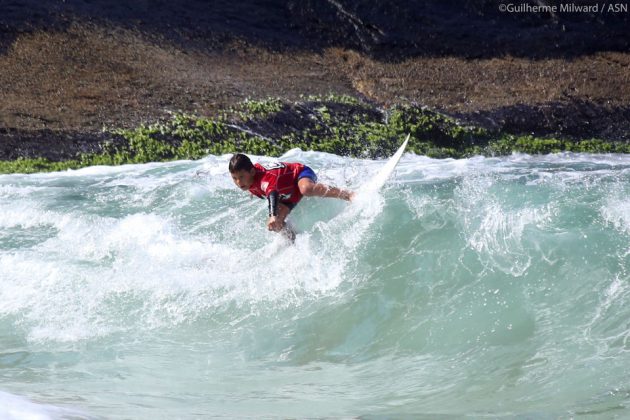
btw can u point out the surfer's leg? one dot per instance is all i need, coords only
(283, 212)
(308, 188)
(287, 230)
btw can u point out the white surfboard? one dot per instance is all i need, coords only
(373, 185)
(379, 179)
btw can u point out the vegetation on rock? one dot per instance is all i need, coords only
(335, 124)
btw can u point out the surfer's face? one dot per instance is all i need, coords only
(243, 179)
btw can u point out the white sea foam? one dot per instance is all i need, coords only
(494, 229)
(64, 287)
(14, 407)
(616, 211)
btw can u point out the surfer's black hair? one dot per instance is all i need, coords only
(240, 162)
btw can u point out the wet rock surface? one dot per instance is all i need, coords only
(69, 70)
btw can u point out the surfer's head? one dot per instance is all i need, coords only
(242, 171)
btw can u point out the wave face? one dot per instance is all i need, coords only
(484, 287)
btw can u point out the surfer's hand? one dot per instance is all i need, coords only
(274, 224)
(347, 195)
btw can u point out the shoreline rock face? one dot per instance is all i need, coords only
(72, 69)
(341, 125)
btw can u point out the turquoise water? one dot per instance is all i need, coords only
(481, 287)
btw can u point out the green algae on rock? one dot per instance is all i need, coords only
(341, 125)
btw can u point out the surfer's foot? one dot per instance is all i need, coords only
(288, 232)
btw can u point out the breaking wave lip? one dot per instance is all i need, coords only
(66, 285)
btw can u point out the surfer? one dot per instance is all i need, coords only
(283, 184)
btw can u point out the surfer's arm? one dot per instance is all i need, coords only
(309, 188)
(276, 216)
(277, 223)
(272, 199)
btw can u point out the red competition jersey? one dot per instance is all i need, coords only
(281, 177)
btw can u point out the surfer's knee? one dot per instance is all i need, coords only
(307, 187)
